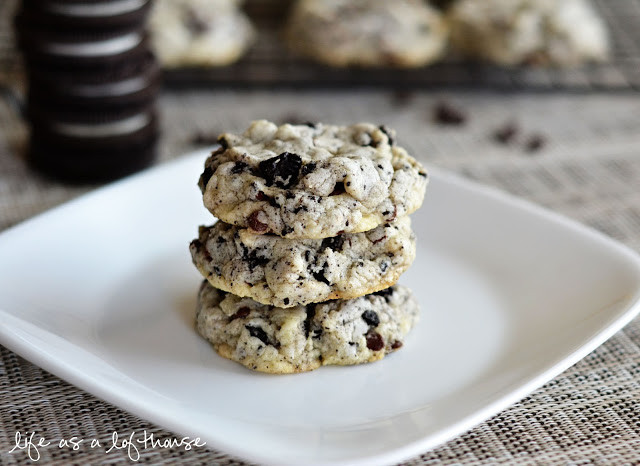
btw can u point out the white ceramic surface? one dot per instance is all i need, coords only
(101, 292)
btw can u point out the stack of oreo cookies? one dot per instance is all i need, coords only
(92, 85)
(313, 234)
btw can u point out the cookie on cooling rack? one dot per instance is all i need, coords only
(199, 33)
(533, 32)
(400, 33)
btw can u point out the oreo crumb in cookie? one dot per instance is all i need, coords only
(282, 170)
(258, 333)
(239, 167)
(335, 243)
(371, 318)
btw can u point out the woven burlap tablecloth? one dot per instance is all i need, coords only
(588, 169)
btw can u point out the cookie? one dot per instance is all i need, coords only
(87, 14)
(280, 341)
(199, 32)
(402, 33)
(130, 83)
(60, 48)
(289, 272)
(311, 181)
(534, 32)
(91, 147)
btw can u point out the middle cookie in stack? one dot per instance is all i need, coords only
(309, 213)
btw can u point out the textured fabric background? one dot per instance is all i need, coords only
(588, 169)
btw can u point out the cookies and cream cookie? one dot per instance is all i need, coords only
(311, 181)
(289, 272)
(539, 32)
(303, 338)
(199, 32)
(403, 33)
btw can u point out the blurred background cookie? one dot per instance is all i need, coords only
(403, 33)
(534, 32)
(199, 32)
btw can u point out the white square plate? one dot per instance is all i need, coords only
(101, 292)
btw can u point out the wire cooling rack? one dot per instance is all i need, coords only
(270, 64)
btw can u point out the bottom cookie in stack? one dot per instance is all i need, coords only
(299, 339)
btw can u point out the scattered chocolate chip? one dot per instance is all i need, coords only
(335, 243)
(506, 134)
(402, 97)
(338, 189)
(388, 133)
(299, 208)
(535, 143)
(375, 342)
(285, 301)
(241, 313)
(255, 224)
(371, 318)
(262, 196)
(282, 170)
(220, 240)
(384, 266)
(217, 270)
(310, 124)
(239, 167)
(224, 144)
(259, 333)
(396, 344)
(308, 168)
(423, 174)
(286, 230)
(289, 195)
(446, 114)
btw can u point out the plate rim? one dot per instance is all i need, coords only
(89, 384)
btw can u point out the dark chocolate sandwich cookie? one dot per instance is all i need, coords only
(85, 148)
(133, 82)
(59, 47)
(89, 14)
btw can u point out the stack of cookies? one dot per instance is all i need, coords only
(92, 82)
(313, 234)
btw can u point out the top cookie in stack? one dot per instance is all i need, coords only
(311, 181)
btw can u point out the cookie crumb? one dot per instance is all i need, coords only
(447, 114)
(535, 143)
(506, 133)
